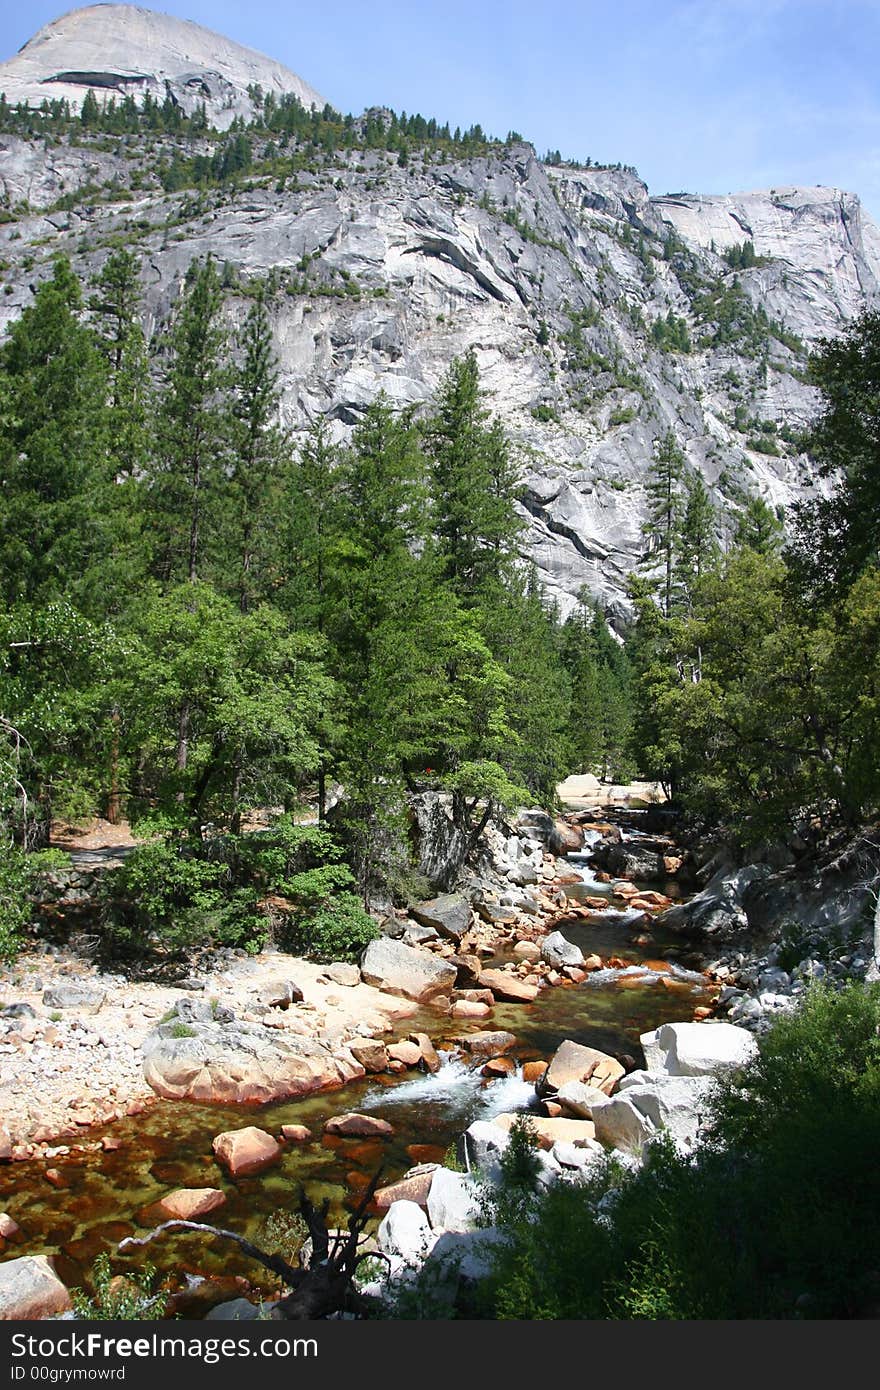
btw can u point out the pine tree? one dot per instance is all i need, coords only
(187, 473)
(258, 448)
(53, 387)
(473, 483)
(697, 547)
(664, 512)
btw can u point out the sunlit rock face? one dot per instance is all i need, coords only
(562, 281)
(125, 50)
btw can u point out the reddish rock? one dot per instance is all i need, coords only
(533, 1072)
(246, 1151)
(407, 1052)
(574, 1062)
(428, 1052)
(527, 950)
(476, 996)
(466, 1008)
(499, 1066)
(593, 962)
(552, 1130)
(508, 987)
(397, 1068)
(553, 1108)
(189, 1203)
(414, 1189)
(371, 1054)
(9, 1229)
(426, 1153)
(702, 1012)
(109, 1144)
(296, 1134)
(135, 1107)
(353, 1125)
(572, 973)
(468, 969)
(55, 1177)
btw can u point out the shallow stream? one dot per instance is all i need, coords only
(170, 1145)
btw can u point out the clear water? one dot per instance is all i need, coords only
(170, 1146)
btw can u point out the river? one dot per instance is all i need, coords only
(106, 1193)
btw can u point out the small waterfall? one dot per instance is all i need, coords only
(458, 1089)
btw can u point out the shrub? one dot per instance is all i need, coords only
(338, 929)
(20, 877)
(129, 1299)
(775, 1215)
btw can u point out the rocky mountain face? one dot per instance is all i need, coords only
(122, 50)
(601, 317)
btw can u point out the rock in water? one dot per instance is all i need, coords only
(240, 1063)
(246, 1151)
(30, 1288)
(558, 951)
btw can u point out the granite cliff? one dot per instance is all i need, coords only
(601, 317)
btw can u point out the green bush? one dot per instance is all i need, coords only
(131, 1301)
(20, 878)
(338, 929)
(165, 895)
(775, 1215)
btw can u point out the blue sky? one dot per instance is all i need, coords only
(710, 96)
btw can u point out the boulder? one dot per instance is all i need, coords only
(30, 1289)
(527, 950)
(73, 997)
(496, 914)
(574, 1062)
(635, 862)
(549, 1130)
(189, 1203)
(280, 994)
(557, 951)
(619, 1124)
(579, 1098)
(296, 1134)
(406, 970)
(343, 973)
(717, 911)
(566, 839)
(409, 1053)
(469, 1008)
(508, 987)
(414, 1188)
(481, 1146)
(450, 915)
(578, 1157)
(240, 1063)
(429, 1058)
(677, 1104)
(697, 1049)
(234, 1310)
(415, 935)
(246, 1151)
(354, 1125)
(468, 968)
(534, 1072)
(372, 1054)
(404, 1231)
(453, 1201)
